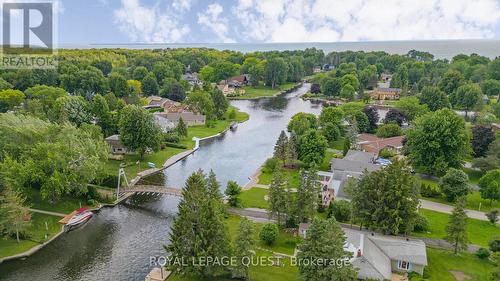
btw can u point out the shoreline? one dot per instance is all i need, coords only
(281, 92)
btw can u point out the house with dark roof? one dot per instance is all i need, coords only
(116, 145)
(380, 257)
(238, 80)
(192, 79)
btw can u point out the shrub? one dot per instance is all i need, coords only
(421, 224)
(426, 190)
(171, 137)
(270, 165)
(494, 244)
(389, 130)
(175, 145)
(483, 253)
(493, 215)
(269, 233)
(340, 210)
(386, 153)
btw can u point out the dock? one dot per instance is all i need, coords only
(67, 217)
(158, 274)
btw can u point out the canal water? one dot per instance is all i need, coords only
(117, 244)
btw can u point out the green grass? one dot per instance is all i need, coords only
(254, 198)
(479, 232)
(338, 144)
(325, 165)
(474, 175)
(254, 92)
(36, 235)
(292, 175)
(159, 157)
(441, 262)
(65, 205)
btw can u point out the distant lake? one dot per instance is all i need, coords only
(441, 49)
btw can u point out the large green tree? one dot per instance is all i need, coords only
(312, 147)
(9, 99)
(489, 185)
(456, 229)
(434, 98)
(437, 141)
(138, 130)
(275, 72)
(454, 184)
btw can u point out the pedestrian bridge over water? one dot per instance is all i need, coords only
(156, 189)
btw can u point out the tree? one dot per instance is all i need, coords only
(411, 107)
(220, 103)
(325, 241)
(14, 216)
(74, 109)
(280, 148)
(311, 147)
(389, 130)
(454, 184)
(331, 132)
(330, 114)
(207, 74)
(134, 87)
(434, 98)
(493, 216)
(118, 84)
(233, 191)
(456, 229)
(150, 85)
(277, 197)
(442, 132)
(331, 87)
(214, 187)
(181, 128)
(198, 230)
(372, 114)
(387, 199)
(275, 72)
(489, 185)
(140, 73)
(243, 249)
(491, 87)
(9, 99)
(400, 78)
(451, 81)
(347, 146)
(347, 92)
(291, 151)
(307, 194)
(138, 130)
(301, 122)
(105, 66)
(467, 97)
(341, 210)
(4, 85)
(201, 102)
(269, 233)
(223, 69)
(482, 137)
(315, 88)
(395, 116)
(102, 114)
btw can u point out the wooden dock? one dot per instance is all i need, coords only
(158, 274)
(68, 217)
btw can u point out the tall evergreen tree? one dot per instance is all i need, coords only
(277, 196)
(181, 128)
(325, 241)
(456, 229)
(213, 186)
(233, 191)
(243, 249)
(291, 151)
(280, 148)
(307, 195)
(198, 230)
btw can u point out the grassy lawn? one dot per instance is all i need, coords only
(65, 205)
(479, 232)
(36, 234)
(441, 262)
(338, 144)
(254, 92)
(474, 175)
(292, 175)
(254, 198)
(159, 157)
(474, 199)
(325, 165)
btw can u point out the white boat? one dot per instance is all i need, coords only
(79, 219)
(233, 125)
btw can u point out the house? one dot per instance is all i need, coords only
(373, 144)
(385, 77)
(229, 90)
(167, 104)
(380, 257)
(317, 69)
(192, 79)
(385, 94)
(116, 145)
(353, 165)
(162, 121)
(238, 81)
(189, 117)
(327, 192)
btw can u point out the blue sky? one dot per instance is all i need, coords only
(216, 21)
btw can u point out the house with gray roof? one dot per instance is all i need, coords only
(377, 256)
(164, 124)
(116, 145)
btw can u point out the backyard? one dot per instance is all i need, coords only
(255, 92)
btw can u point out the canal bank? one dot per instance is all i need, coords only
(117, 243)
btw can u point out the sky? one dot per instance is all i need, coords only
(261, 21)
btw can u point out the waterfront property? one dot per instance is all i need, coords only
(116, 145)
(378, 256)
(373, 144)
(173, 112)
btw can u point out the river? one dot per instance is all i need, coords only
(117, 243)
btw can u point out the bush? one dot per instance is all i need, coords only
(483, 253)
(270, 165)
(386, 153)
(493, 215)
(175, 145)
(340, 210)
(269, 233)
(389, 130)
(426, 190)
(171, 137)
(421, 224)
(494, 244)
